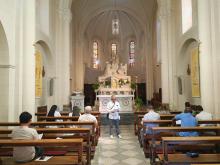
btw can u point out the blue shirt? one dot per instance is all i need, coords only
(187, 120)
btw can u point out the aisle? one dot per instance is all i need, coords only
(116, 151)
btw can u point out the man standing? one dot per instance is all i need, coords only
(113, 108)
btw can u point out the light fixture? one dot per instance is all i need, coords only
(115, 20)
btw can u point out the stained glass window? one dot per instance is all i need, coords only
(95, 55)
(115, 26)
(186, 15)
(114, 51)
(131, 53)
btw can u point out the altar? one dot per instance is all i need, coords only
(115, 81)
(126, 102)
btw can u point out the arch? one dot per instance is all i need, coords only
(186, 43)
(48, 64)
(4, 49)
(85, 22)
(184, 63)
(4, 75)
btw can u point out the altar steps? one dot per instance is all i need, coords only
(126, 119)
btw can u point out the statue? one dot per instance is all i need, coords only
(108, 69)
(122, 69)
(116, 72)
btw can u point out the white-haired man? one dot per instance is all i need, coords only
(113, 108)
(88, 117)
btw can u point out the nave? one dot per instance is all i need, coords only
(125, 151)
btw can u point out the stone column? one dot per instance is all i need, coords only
(28, 93)
(63, 56)
(167, 62)
(66, 17)
(208, 36)
(149, 67)
(78, 63)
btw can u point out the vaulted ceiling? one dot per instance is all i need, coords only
(133, 12)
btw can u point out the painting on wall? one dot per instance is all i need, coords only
(38, 74)
(195, 72)
(180, 88)
(51, 87)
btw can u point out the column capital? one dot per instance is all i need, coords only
(65, 14)
(165, 9)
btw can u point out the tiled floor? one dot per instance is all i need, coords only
(116, 151)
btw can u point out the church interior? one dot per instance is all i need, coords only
(157, 62)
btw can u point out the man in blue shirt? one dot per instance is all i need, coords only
(187, 120)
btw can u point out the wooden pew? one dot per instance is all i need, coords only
(166, 158)
(136, 113)
(72, 118)
(62, 133)
(41, 109)
(66, 113)
(159, 122)
(41, 116)
(138, 120)
(169, 123)
(159, 132)
(55, 160)
(140, 114)
(94, 134)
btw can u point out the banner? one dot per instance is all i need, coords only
(195, 72)
(38, 74)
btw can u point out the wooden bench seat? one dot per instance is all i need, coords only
(166, 158)
(159, 132)
(67, 133)
(183, 159)
(73, 118)
(55, 160)
(74, 143)
(94, 134)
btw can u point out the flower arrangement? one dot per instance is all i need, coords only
(138, 103)
(133, 85)
(122, 82)
(96, 86)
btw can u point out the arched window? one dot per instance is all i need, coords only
(186, 15)
(131, 53)
(95, 60)
(114, 50)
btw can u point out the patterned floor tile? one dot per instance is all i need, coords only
(117, 151)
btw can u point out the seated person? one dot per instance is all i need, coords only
(187, 104)
(23, 132)
(150, 115)
(88, 117)
(202, 115)
(75, 111)
(187, 120)
(54, 112)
